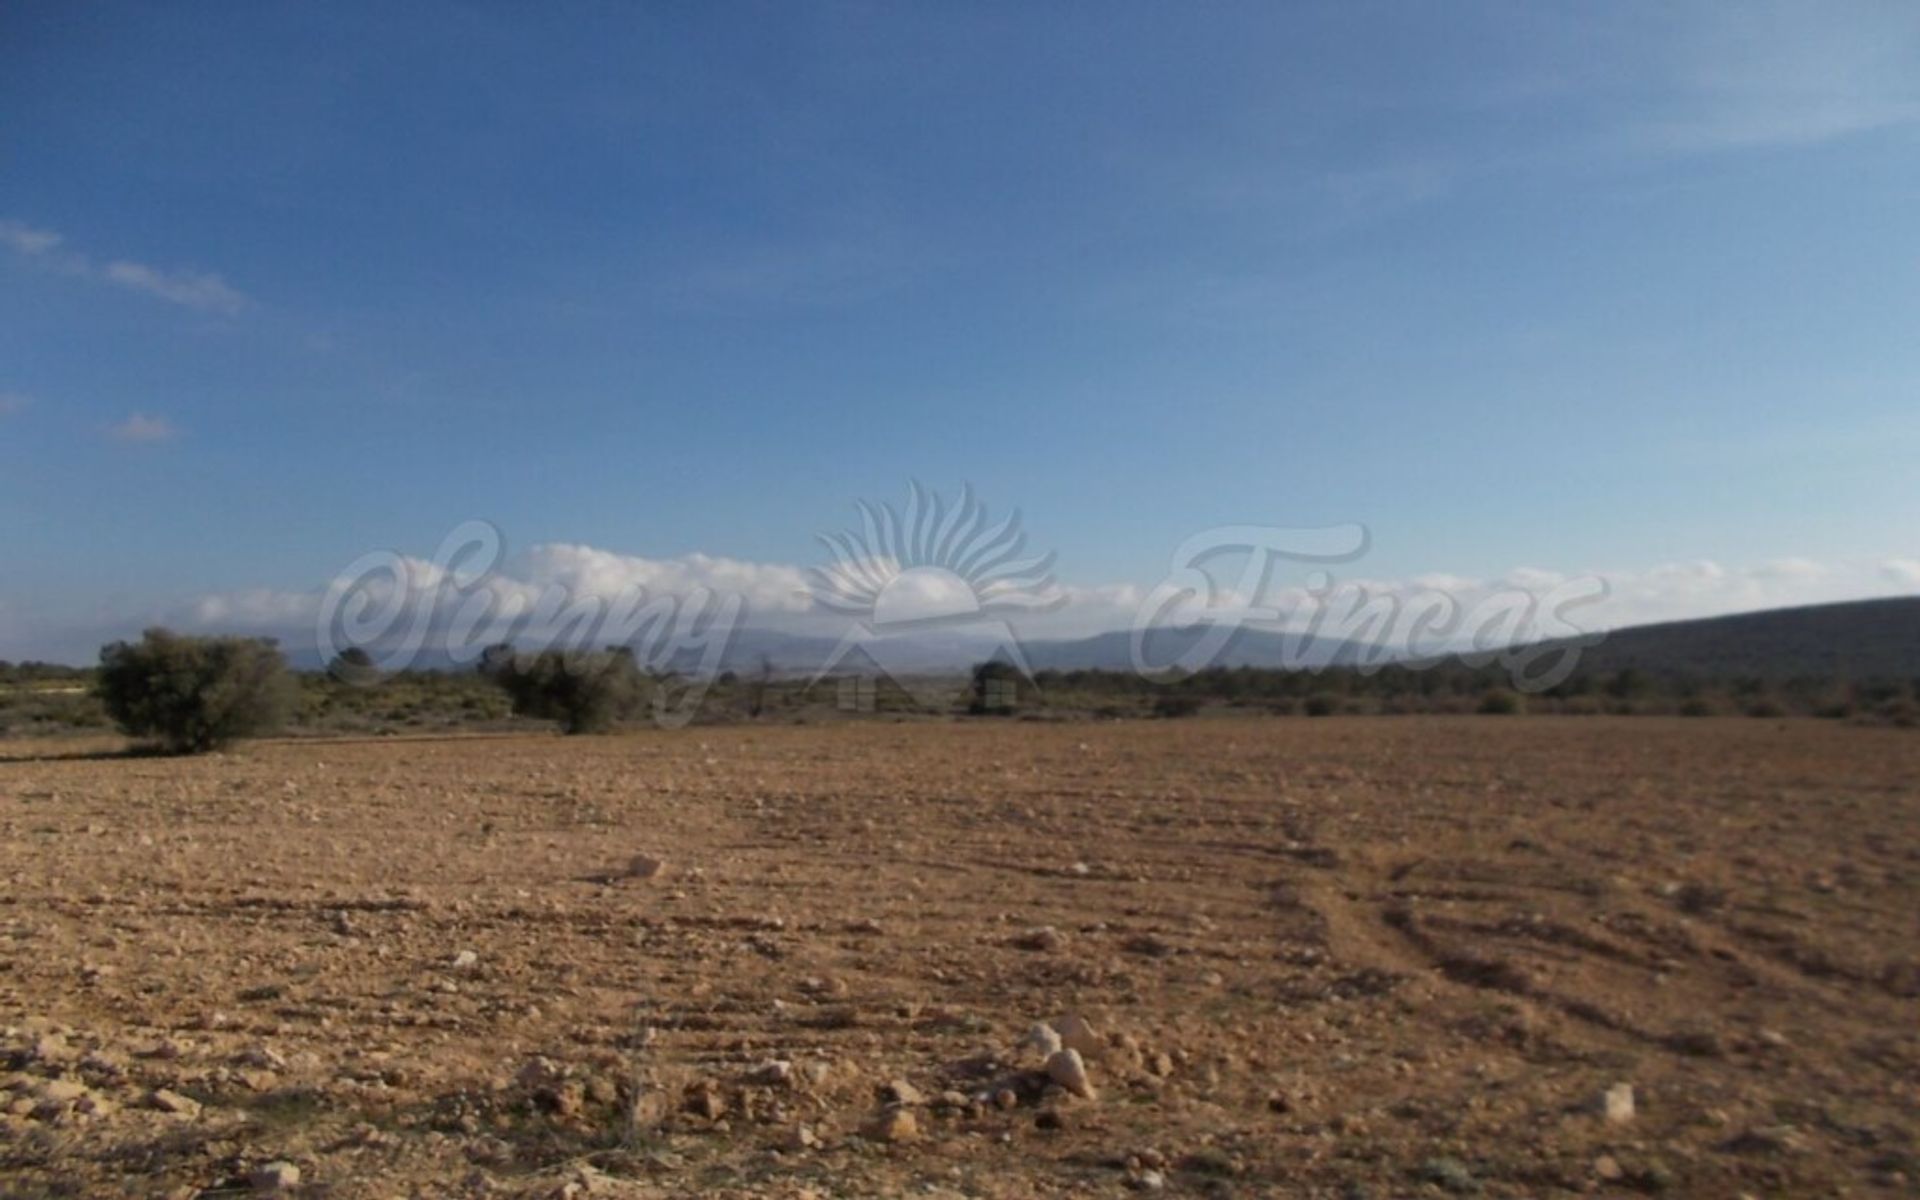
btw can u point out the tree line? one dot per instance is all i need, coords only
(182, 694)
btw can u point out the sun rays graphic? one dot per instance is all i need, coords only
(932, 564)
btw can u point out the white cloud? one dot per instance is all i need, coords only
(189, 288)
(139, 427)
(200, 290)
(553, 578)
(1903, 571)
(584, 570)
(1681, 591)
(549, 586)
(1786, 74)
(1789, 568)
(1533, 578)
(27, 240)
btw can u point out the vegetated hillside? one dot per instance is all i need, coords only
(1857, 640)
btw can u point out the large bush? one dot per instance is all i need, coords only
(585, 692)
(194, 694)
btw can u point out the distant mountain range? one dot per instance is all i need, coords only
(1865, 639)
(1861, 639)
(1857, 640)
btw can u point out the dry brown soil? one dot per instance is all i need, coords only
(1348, 957)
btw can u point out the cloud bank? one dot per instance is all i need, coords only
(198, 290)
(775, 596)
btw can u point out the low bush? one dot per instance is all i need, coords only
(585, 692)
(1502, 703)
(189, 695)
(1176, 704)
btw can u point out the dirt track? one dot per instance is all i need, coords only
(1373, 957)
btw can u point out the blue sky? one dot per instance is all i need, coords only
(1568, 288)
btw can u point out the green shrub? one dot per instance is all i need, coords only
(354, 667)
(193, 694)
(1176, 704)
(1502, 703)
(1901, 711)
(1322, 704)
(585, 692)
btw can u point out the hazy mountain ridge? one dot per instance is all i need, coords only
(1855, 640)
(1863, 639)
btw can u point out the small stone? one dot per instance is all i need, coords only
(899, 1091)
(1149, 1181)
(173, 1102)
(1449, 1174)
(94, 1104)
(62, 1091)
(266, 1058)
(777, 1073)
(706, 1102)
(274, 1177)
(1077, 1034)
(1148, 945)
(466, 960)
(823, 985)
(602, 1091)
(539, 1073)
(1044, 1040)
(1771, 1139)
(1069, 1070)
(894, 1125)
(1616, 1104)
(1698, 1043)
(1607, 1167)
(567, 1100)
(645, 866)
(1041, 937)
(801, 1138)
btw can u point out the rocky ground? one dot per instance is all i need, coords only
(1235, 957)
